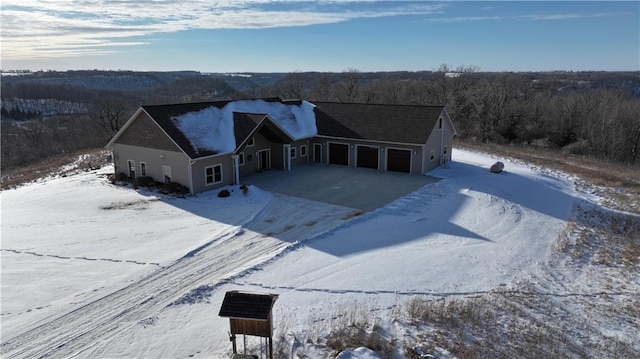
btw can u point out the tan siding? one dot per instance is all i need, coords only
(300, 160)
(252, 166)
(437, 139)
(143, 132)
(154, 160)
(198, 172)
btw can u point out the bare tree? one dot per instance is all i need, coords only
(349, 85)
(322, 89)
(109, 114)
(295, 85)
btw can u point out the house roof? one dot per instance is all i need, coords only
(203, 129)
(244, 125)
(163, 115)
(243, 305)
(377, 122)
(209, 128)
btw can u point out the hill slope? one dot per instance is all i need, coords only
(93, 270)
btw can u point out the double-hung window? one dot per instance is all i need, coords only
(213, 174)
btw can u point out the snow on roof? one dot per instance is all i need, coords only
(212, 128)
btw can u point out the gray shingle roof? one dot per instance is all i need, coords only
(163, 114)
(390, 123)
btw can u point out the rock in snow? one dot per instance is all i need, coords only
(497, 167)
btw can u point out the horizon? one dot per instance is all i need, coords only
(266, 36)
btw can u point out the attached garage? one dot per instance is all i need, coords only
(338, 154)
(399, 160)
(367, 156)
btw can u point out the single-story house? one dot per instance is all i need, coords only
(211, 144)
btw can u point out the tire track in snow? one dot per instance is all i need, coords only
(236, 250)
(81, 258)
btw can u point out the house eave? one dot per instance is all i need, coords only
(368, 140)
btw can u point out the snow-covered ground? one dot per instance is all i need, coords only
(91, 270)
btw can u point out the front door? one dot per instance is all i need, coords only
(264, 157)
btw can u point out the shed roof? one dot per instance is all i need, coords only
(378, 122)
(243, 305)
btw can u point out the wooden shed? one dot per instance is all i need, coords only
(249, 314)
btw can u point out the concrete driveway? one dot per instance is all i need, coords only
(360, 188)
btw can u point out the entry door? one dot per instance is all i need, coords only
(166, 173)
(265, 160)
(132, 168)
(317, 153)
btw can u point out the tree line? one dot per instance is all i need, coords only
(594, 114)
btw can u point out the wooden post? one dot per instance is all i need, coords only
(233, 343)
(270, 348)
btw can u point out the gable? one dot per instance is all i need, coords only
(411, 124)
(209, 128)
(143, 132)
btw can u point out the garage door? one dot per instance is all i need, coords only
(338, 154)
(367, 157)
(399, 160)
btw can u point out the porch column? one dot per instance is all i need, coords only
(287, 157)
(236, 169)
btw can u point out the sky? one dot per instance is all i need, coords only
(286, 36)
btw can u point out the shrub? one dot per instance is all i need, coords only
(173, 188)
(224, 193)
(145, 181)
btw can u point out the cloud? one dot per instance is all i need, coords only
(45, 28)
(534, 17)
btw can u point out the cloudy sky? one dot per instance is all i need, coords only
(265, 36)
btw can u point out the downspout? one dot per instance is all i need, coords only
(191, 163)
(236, 169)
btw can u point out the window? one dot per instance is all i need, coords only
(303, 150)
(445, 150)
(433, 155)
(440, 123)
(143, 169)
(293, 152)
(213, 174)
(252, 142)
(241, 159)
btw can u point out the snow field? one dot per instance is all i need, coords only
(468, 234)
